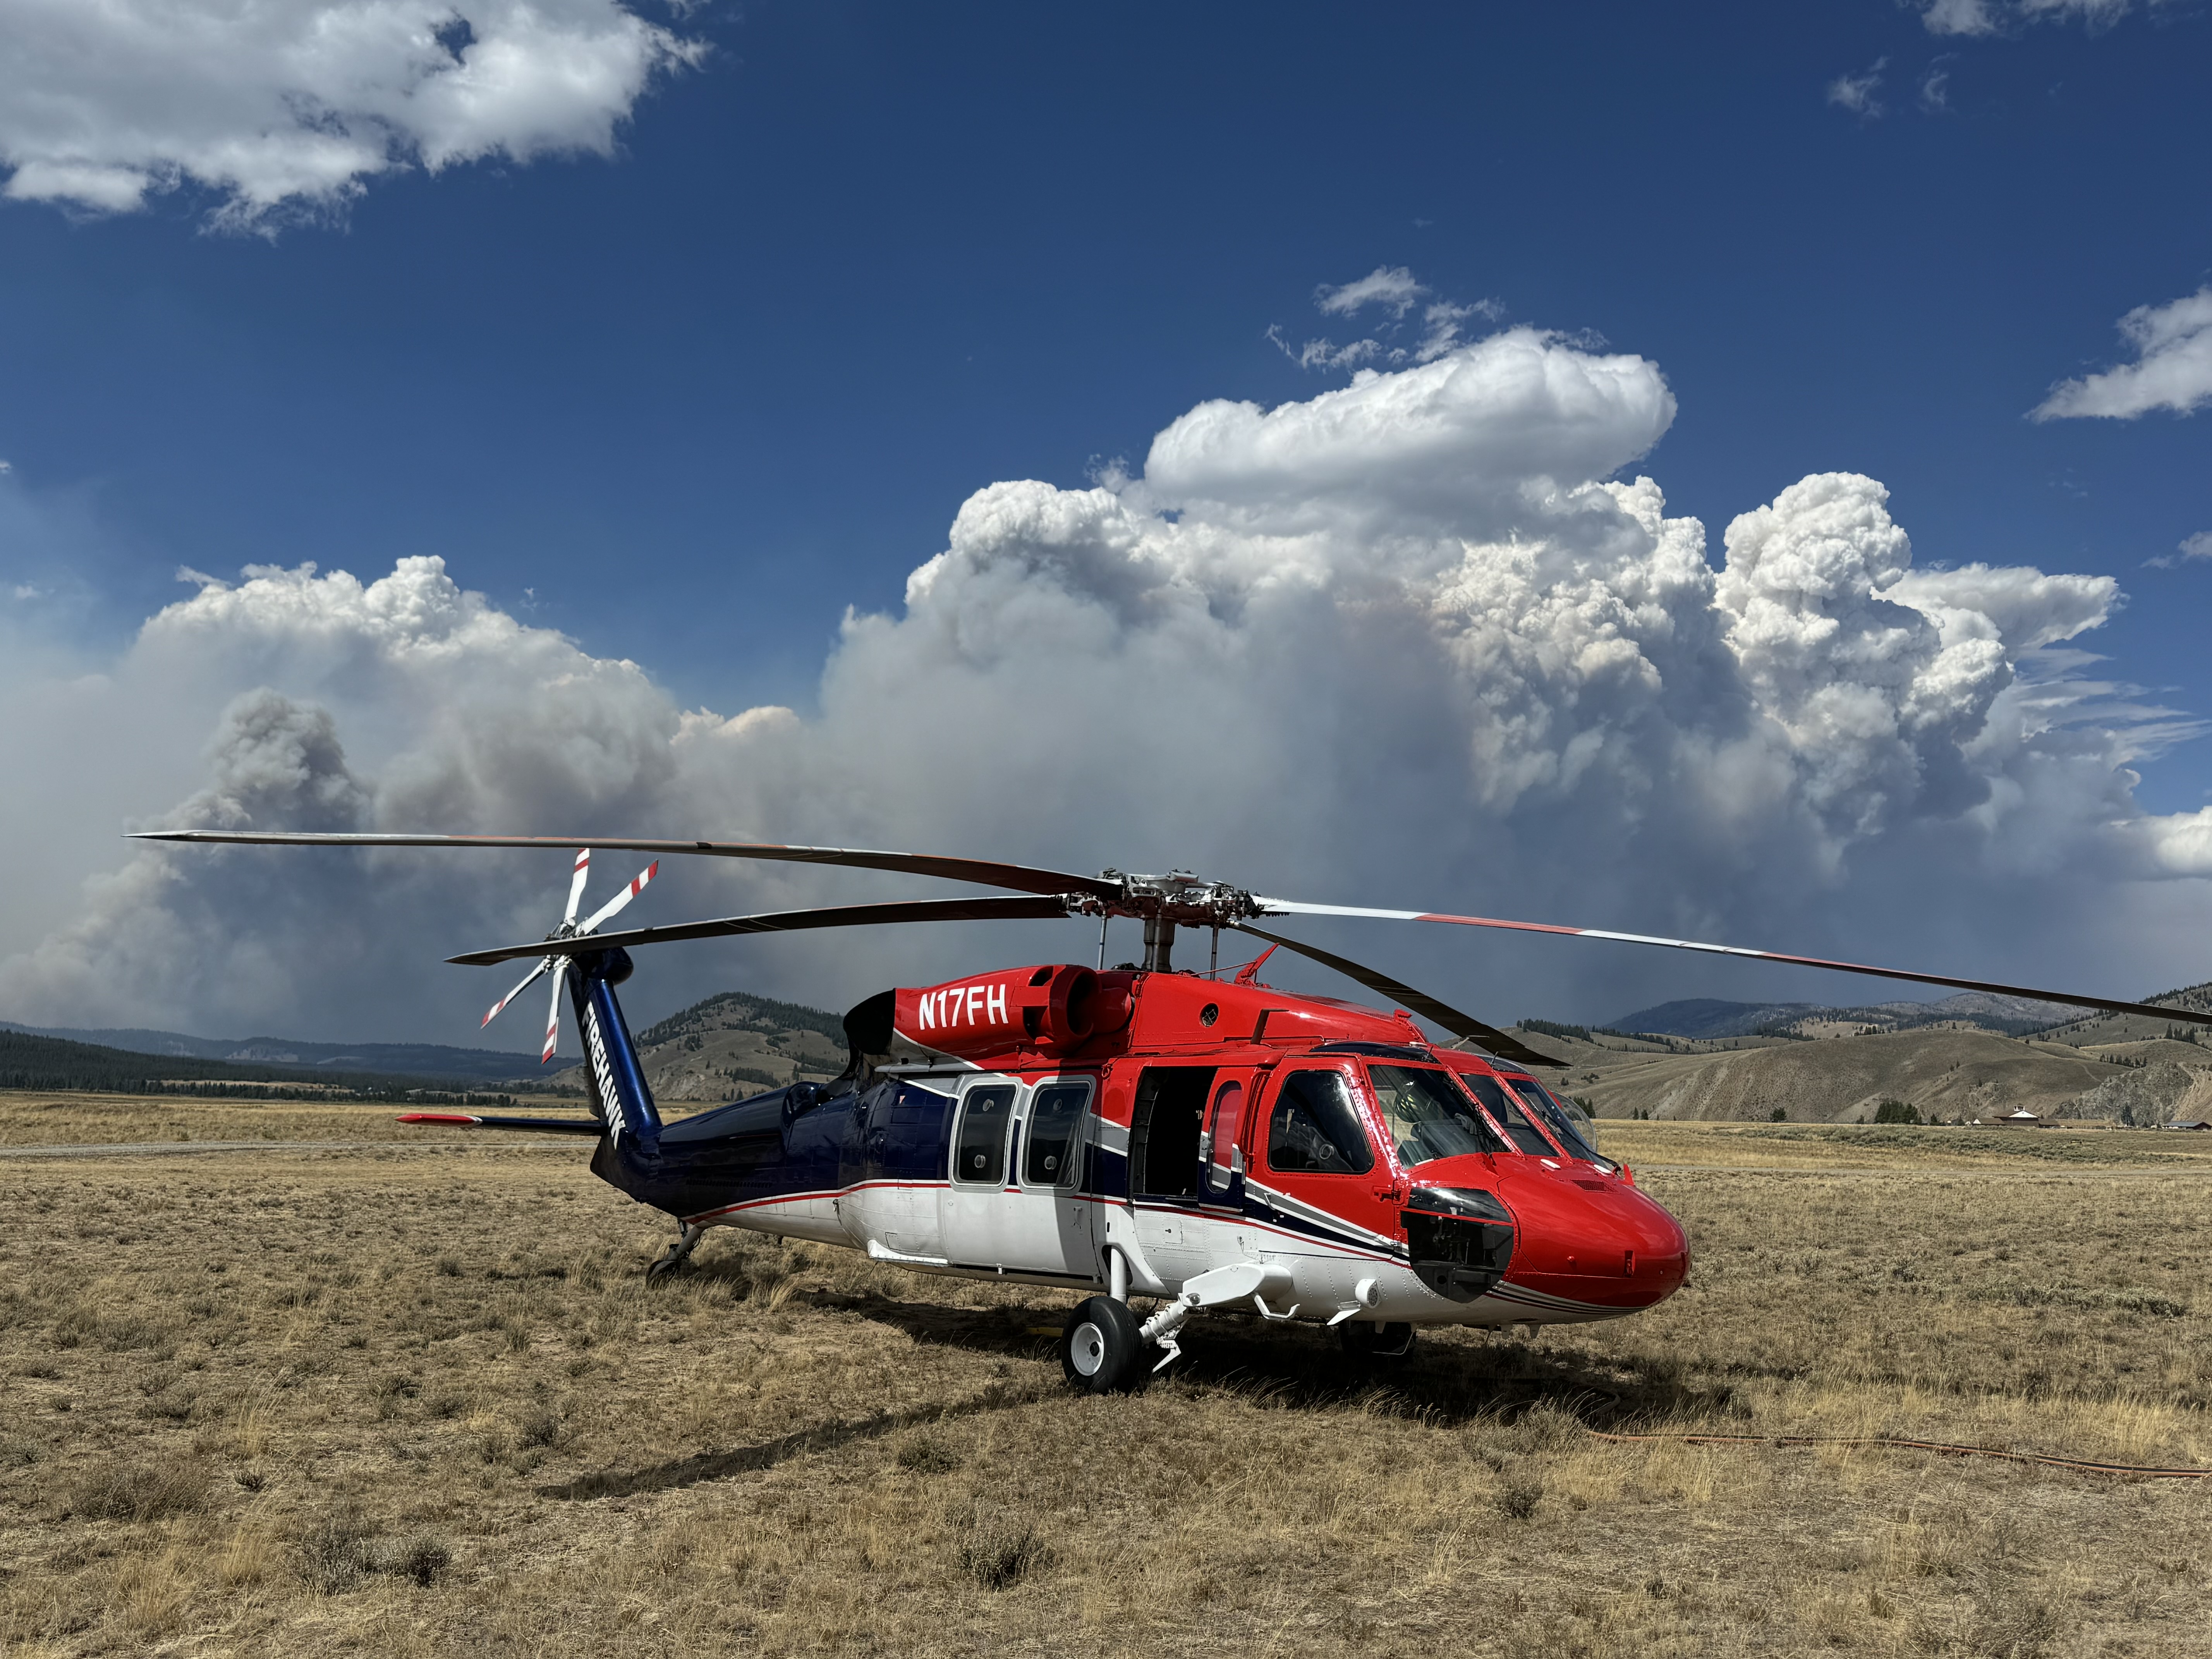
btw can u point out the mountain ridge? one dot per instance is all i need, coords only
(1705, 1018)
(31, 1062)
(394, 1059)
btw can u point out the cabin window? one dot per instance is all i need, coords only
(1506, 1113)
(979, 1151)
(1054, 1156)
(1315, 1127)
(1427, 1116)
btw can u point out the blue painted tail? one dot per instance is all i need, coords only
(620, 1097)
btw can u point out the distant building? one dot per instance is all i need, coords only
(2023, 1119)
(2193, 1123)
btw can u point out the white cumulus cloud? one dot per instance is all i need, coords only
(2198, 546)
(1994, 16)
(1959, 17)
(1391, 287)
(1856, 93)
(1395, 290)
(2172, 367)
(1410, 642)
(1467, 439)
(291, 104)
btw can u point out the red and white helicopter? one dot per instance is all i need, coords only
(1146, 1130)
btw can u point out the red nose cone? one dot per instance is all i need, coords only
(1590, 1240)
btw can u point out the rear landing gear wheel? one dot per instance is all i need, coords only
(1365, 1339)
(1100, 1347)
(677, 1253)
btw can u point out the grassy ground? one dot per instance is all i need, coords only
(35, 1120)
(1886, 1147)
(413, 1399)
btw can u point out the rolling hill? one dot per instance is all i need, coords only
(1943, 1072)
(732, 1045)
(28, 1061)
(1706, 1018)
(400, 1059)
(1950, 1073)
(2088, 1030)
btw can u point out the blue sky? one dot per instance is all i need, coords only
(688, 401)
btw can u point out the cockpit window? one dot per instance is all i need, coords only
(1315, 1126)
(1569, 1125)
(1427, 1116)
(1507, 1113)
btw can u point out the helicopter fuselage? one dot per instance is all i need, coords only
(1130, 1132)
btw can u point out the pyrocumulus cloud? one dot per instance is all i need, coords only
(1426, 639)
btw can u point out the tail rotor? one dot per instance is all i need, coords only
(553, 1013)
(558, 965)
(544, 963)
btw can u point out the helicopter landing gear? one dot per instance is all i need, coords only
(1364, 1339)
(1099, 1348)
(677, 1256)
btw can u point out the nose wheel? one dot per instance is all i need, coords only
(1100, 1345)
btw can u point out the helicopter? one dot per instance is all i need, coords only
(1145, 1131)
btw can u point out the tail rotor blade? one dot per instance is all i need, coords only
(545, 965)
(553, 1015)
(576, 882)
(613, 907)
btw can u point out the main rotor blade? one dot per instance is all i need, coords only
(2149, 1010)
(1015, 877)
(613, 906)
(1501, 1043)
(545, 965)
(576, 882)
(787, 921)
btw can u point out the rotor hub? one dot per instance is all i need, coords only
(1178, 897)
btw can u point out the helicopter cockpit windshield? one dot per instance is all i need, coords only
(1427, 1116)
(1569, 1125)
(1505, 1111)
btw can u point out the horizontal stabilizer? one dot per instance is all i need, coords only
(542, 1125)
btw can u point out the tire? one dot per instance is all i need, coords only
(1099, 1347)
(1365, 1339)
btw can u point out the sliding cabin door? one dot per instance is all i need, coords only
(1167, 1182)
(1017, 1156)
(1047, 1223)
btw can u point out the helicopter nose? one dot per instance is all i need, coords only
(1595, 1240)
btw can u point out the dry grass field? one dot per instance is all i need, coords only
(410, 1397)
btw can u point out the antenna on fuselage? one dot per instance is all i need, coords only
(1105, 915)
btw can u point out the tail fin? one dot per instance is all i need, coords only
(620, 1097)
